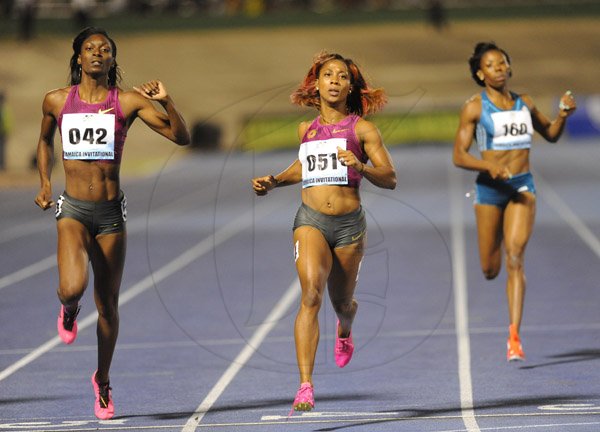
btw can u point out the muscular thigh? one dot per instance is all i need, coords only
(73, 248)
(313, 256)
(489, 228)
(108, 260)
(518, 221)
(344, 272)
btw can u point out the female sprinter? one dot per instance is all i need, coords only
(93, 115)
(502, 123)
(330, 228)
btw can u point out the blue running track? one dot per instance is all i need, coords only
(210, 292)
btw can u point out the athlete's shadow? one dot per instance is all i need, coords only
(255, 404)
(405, 414)
(569, 357)
(22, 400)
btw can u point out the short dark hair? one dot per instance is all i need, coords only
(475, 60)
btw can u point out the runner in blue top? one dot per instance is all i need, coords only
(502, 124)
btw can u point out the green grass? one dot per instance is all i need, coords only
(272, 133)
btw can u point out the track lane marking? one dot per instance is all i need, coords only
(461, 301)
(564, 211)
(110, 425)
(137, 224)
(204, 246)
(541, 328)
(242, 358)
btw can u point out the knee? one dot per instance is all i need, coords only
(343, 307)
(70, 294)
(514, 261)
(312, 297)
(490, 273)
(109, 310)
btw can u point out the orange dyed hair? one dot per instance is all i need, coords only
(362, 100)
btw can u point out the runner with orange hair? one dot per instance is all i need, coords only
(330, 230)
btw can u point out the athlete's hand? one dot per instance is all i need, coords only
(262, 185)
(499, 172)
(349, 159)
(153, 90)
(44, 199)
(567, 104)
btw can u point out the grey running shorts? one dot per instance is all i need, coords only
(103, 217)
(338, 230)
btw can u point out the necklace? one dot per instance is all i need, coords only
(329, 122)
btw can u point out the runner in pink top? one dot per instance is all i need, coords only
(93, 115)
(330, 226)
(344, 130)
(109, 107)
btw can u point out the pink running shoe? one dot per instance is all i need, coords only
(344, 347)
(305, 399)
(104, 407)
(67, 325)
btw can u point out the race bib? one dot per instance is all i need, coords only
(320, 164)
(88, 136)
(512, 129)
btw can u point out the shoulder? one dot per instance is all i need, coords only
(130, 96)
(366, 130)
(55, 99)
(57, 95)
(471, 109)
(527, 100)
(365, 126)
(303, 127)
(473, 102)
(131, 102)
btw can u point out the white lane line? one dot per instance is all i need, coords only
(461, 301)
(113, 425)
(563, 210)
(541, 328)
(40, 225)
(240, 361)
(204, 246)
(23, 230)
(28, 271)
(137, 224)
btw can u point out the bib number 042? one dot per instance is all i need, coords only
(90, 135)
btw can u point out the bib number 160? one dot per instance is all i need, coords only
(515, 129)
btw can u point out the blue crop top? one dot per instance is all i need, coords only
(504, 129)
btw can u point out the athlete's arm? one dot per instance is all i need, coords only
(551, 130)
(170, 125)
(469, 116)
(289, 176)
(382, 172)
(45, 149)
